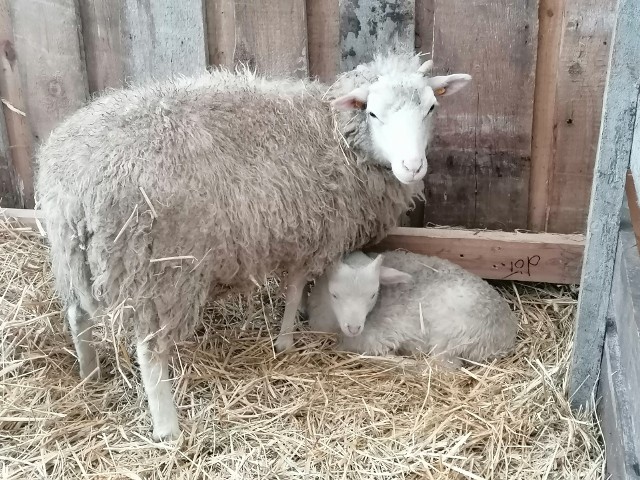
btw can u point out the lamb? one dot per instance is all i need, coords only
(158, 197)
(407, 303)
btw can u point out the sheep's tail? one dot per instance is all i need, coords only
(68, 239)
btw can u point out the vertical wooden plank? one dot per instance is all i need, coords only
(102, 35)
(221, 31)
(18, 129)
(550, 18)
(323, 31)
(49, 48)
(162, 38)
(425, 14)
(480, 160)
(367, 25)
(272, 37)
(582, 70)
(612, 161)
(9, 197)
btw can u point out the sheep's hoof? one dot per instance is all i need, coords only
(166, 433)
(284, 342)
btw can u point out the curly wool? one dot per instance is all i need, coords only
(240, 176)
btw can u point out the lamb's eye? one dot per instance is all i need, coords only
(373, 296)
(372, 115)
(334, 295)
(433, 107)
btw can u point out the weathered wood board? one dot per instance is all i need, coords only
(582, 71)
(18, 129)
(619, 384)
(366, 26)
(48, 45)
(163, 38)
(270, 37)
(497, 255)
(612, 162)
(323, 33)
(9, 196)
(480, 159)
(102, 35)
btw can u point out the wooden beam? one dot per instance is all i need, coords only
(550, 21)
(529, 257)
(612, 162)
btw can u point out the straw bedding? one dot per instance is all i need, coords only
(308, 414)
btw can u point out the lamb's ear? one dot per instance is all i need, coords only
(391, 276)
(448, 84)
(426, 67)
(354, 100)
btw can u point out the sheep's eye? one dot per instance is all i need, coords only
(373, 115)
(433, 107)
(373, 296)
(334, 295)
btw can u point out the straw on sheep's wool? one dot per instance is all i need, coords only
(307, 414)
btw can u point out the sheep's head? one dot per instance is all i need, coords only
(353, 291)
(394, 114)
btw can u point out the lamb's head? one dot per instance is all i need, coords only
(353, 291)
(392, 116)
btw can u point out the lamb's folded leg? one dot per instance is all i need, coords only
(295, 288)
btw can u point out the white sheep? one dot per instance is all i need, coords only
(407, 303)
(159, 197)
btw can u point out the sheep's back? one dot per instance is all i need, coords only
(242, 183)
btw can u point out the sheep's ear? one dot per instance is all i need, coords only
(391, 276)
(354, 100)
(448, 84)
(426, 67)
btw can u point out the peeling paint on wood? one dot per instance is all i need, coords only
(367, 25)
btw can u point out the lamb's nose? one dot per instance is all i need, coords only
(354, 330)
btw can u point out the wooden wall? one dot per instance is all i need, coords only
(515, 150)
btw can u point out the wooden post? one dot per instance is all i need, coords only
(9, 196)
(612, 161)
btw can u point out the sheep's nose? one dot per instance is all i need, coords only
(413, 166)
(354, 330)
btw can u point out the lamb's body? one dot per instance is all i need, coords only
(443, 309)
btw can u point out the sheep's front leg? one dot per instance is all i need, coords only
(154, 368)
(81, 327)
(295, 289)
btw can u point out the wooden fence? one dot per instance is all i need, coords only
(515, 150)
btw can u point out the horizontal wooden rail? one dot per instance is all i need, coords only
(532, 257)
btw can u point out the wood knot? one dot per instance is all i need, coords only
(55, 88)
(9, 52)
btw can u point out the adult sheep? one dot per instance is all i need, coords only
(159, 196)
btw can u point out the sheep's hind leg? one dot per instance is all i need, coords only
(295, 289)
(81, 327)
(154, 368)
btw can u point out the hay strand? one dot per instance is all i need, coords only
(247, 413)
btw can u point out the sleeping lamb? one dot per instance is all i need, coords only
(404, 303)
(161, 196)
